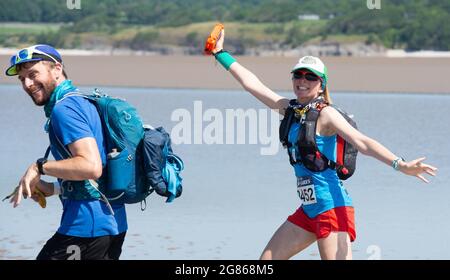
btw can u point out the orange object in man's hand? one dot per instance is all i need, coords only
(212, 39)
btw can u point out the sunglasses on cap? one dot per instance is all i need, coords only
(297, 75)
(30, 53)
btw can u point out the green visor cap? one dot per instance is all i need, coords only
(315, 65)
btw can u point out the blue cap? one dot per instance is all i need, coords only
(33, 53)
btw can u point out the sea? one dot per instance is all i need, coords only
(238, 186)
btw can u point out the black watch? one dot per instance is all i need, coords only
(40, 165)
(221, 51)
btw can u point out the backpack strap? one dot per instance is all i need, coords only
(306, 140)
(307, 134)
(345, 149)
(47, 152)
(286, 123)
(285, 127)
(65, 153)
(306, 151)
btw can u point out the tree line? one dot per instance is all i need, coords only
(413, 25)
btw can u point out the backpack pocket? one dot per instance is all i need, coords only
(162, 167)
(120, 169)
(171, 175)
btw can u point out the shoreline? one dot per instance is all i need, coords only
(387, 53)
(346, 74)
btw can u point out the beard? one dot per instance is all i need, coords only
(42, 96)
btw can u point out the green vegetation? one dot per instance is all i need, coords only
(147, 24)
(12, 34)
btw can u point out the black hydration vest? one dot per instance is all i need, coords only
(306, 151)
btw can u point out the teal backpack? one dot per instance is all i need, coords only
(140, 159)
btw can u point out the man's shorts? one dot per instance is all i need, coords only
(64, 247)
(336, 219)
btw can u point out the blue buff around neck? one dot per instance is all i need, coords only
(58, 93)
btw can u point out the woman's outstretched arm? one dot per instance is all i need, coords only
(368, 146)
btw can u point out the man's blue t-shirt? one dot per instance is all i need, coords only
(72, 119)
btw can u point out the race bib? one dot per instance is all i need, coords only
(306, 190)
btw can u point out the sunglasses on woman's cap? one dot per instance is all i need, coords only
(297, 75)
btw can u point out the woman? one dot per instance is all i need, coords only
(326, 214)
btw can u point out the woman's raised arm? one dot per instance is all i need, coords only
(248, 80)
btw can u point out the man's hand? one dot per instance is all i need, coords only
(46, 188)
(43, 189)
(26, 185)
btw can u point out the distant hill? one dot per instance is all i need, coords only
(411, 25)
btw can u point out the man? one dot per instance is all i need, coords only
(89, 229)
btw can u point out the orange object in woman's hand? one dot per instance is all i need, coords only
(212, 39)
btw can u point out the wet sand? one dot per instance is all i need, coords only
(376, 74)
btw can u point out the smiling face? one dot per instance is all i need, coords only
(39, 79)
(307, 86)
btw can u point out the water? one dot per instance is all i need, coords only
(234, 198)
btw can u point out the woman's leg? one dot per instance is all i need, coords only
(336, 246)
(287, 241)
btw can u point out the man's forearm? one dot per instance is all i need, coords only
(76, 168)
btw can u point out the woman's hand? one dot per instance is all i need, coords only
(219, 44)
(417, 168)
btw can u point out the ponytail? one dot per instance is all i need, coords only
(326, 95)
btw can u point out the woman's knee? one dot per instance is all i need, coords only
(288, 240)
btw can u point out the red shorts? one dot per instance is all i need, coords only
(336, 219)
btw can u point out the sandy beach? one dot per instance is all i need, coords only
(347, 74)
